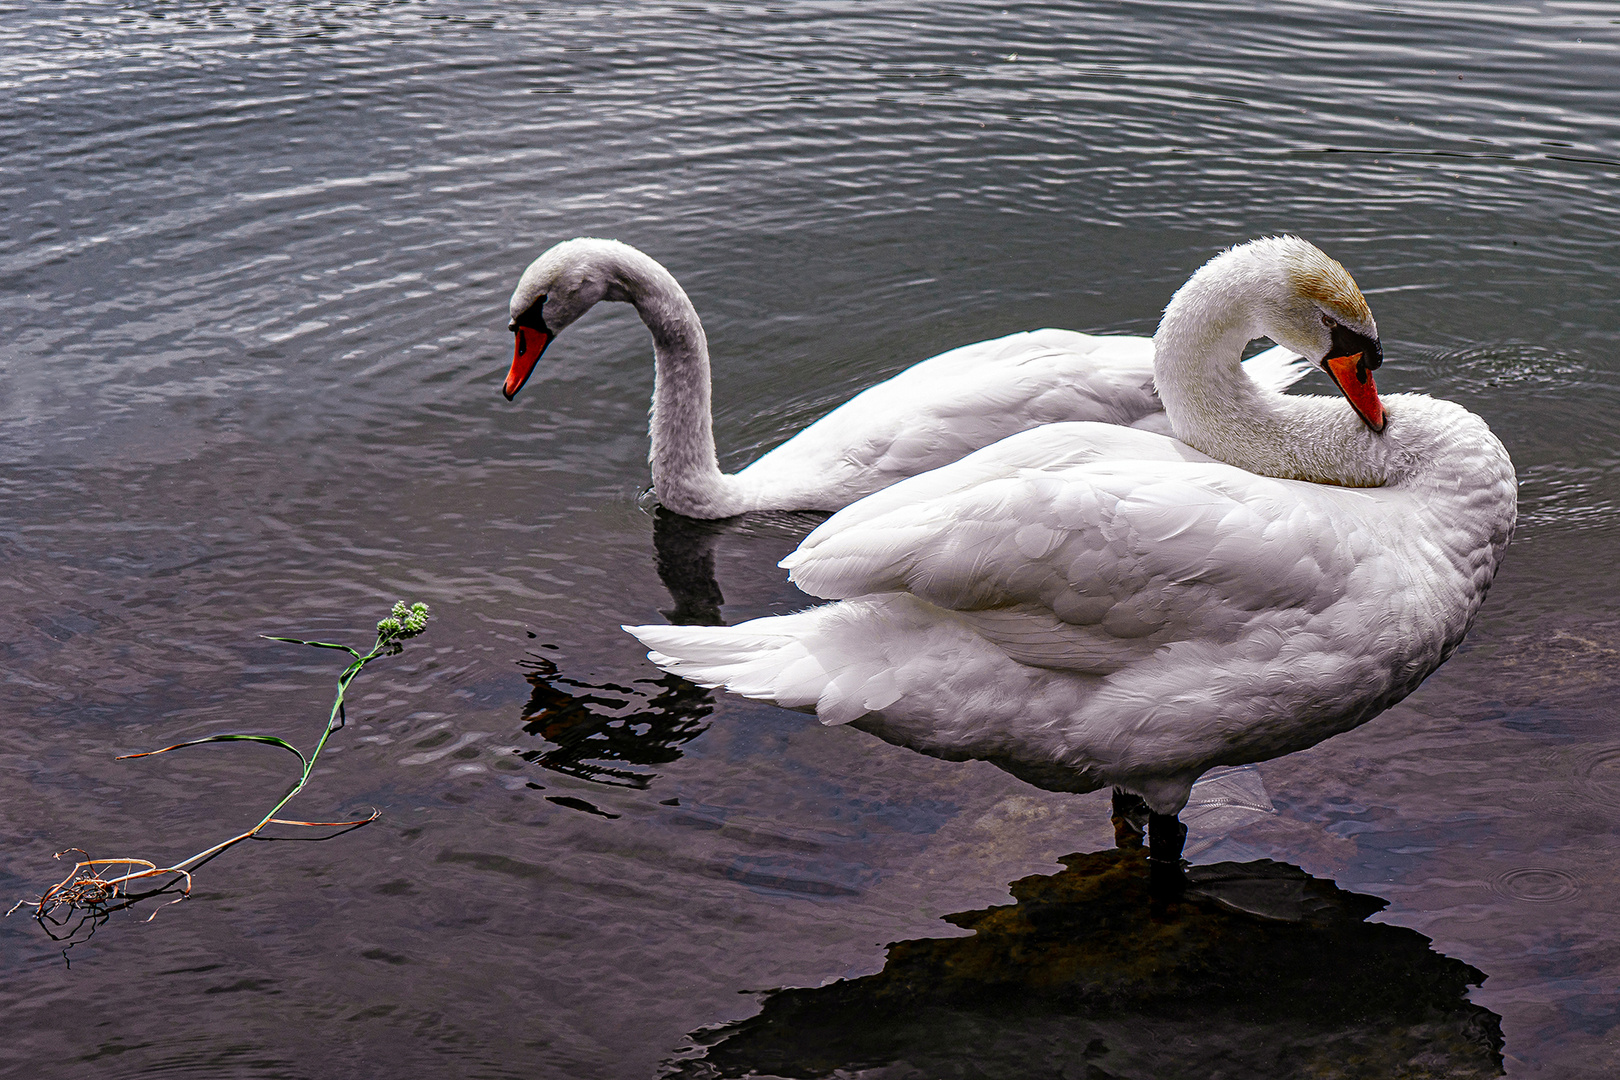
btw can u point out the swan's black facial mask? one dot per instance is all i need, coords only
(532, 336)
(1350, 361)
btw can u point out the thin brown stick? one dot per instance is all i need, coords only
(375, 814)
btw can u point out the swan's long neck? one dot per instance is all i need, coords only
(1216, 408)
(685, 468)
(1457, 475)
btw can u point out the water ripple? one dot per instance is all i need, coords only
(1537, 885)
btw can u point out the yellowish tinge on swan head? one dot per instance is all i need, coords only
(1320, 278)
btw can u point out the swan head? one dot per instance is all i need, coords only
(561, 285)
(1307, 302)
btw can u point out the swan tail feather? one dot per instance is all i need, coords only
(781, 660)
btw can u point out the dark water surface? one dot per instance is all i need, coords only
(253, 281)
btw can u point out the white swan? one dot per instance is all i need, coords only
(1087, 605)
(927, 416)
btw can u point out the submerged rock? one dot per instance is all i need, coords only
(1260, 970)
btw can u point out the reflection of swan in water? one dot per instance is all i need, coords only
(1259, 971)
(684, 549)
(1088, 605)
(930, 414)
(611, 733)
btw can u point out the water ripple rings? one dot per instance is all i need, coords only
(1597, 774)
(1536, 885)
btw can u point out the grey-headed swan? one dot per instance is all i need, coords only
(929, 415)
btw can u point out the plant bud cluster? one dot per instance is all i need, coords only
(403, 622)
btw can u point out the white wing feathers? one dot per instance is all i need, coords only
(804, 661)
(1088, 567)
(1277, 368)
(1080, 547)
(1052, 446)
(938, 410)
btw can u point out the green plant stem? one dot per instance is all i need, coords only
(401, 625)
(333, 723)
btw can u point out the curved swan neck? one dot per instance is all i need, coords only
(685, 467)
(1214, 406)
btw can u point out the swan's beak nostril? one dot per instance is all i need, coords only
(530, 344)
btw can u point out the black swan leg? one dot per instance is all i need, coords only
(1166, 835)
(1130, 819)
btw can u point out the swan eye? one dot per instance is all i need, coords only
(532, 318)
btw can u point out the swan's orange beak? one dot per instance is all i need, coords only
(1351, 358)
(1356, 383)
(530, 344)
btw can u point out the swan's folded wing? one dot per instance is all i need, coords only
(954, 403)
(941, 409)
(1093, 566)
(1051, 447)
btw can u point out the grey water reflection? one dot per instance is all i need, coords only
(685, 561)
(1261, 970)
(612, 733)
